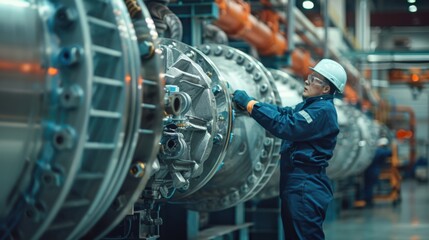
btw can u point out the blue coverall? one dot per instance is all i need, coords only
(309, 132)
(373, 171)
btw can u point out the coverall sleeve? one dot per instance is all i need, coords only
(282, 110)
(308, 124)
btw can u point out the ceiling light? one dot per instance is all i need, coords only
(308, 4)
(412, 8)
(15, 3)
(411, 1)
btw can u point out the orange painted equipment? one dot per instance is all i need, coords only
(350, 95)
(382, 111)
(391, 174)
(410, 134)
(301, 61)
(236, 20)
(412, 75)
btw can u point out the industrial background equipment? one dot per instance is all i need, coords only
(103, 123)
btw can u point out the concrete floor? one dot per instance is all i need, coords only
(408, 220)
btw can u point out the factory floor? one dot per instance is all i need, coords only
(408, 220)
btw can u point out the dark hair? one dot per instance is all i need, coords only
(332, 88)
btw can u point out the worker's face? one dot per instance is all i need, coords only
(315, 85)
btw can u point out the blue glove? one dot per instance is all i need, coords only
(241, 99)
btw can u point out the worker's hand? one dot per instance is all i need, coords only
(241, 99)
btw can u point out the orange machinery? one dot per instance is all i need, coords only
(263, 33)
(391, 174)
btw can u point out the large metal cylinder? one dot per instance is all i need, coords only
(22, 95)
(98, 116)
(212, 157)
(71, 116)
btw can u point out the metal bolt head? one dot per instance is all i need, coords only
(240, 60)
(263, 88)
(138, 169)
(217, 139)
(52, 179)
(218, 51)
(249, 67)
(276, 76)
(235, 196)
(216, 89)
(244, 188)
(251, 179)
(258, 166)
(229, 54)
(71, 97)
(190, 54)
(65, 17)
(264, 154)
(268, 142)
(64, 138)
(70, 56)
(206, 49)
(257, 77)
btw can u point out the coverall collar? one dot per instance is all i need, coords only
(320, 97)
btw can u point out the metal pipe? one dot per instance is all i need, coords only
(291, 24)
(311, 33)
(236, 20)
(362, 24)
(306, 31)
(325, 28)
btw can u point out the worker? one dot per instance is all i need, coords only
(309, 133)
(372, 172)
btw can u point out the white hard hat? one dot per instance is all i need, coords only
(333, 72)
(382, 141)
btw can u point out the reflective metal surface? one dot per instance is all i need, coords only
(99, 119)
(253, 156)
(205, 161)
(356, 142)
(74, 71)
(198, 129)
(22, 95)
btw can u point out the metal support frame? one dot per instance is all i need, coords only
(290, 31)
(192, 16)
(227, 224)
(363, 24)
(265, 214)
(326, 21)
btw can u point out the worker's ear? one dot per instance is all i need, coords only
(326, 89)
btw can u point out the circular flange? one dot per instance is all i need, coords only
(253, 153)
(206, 126)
